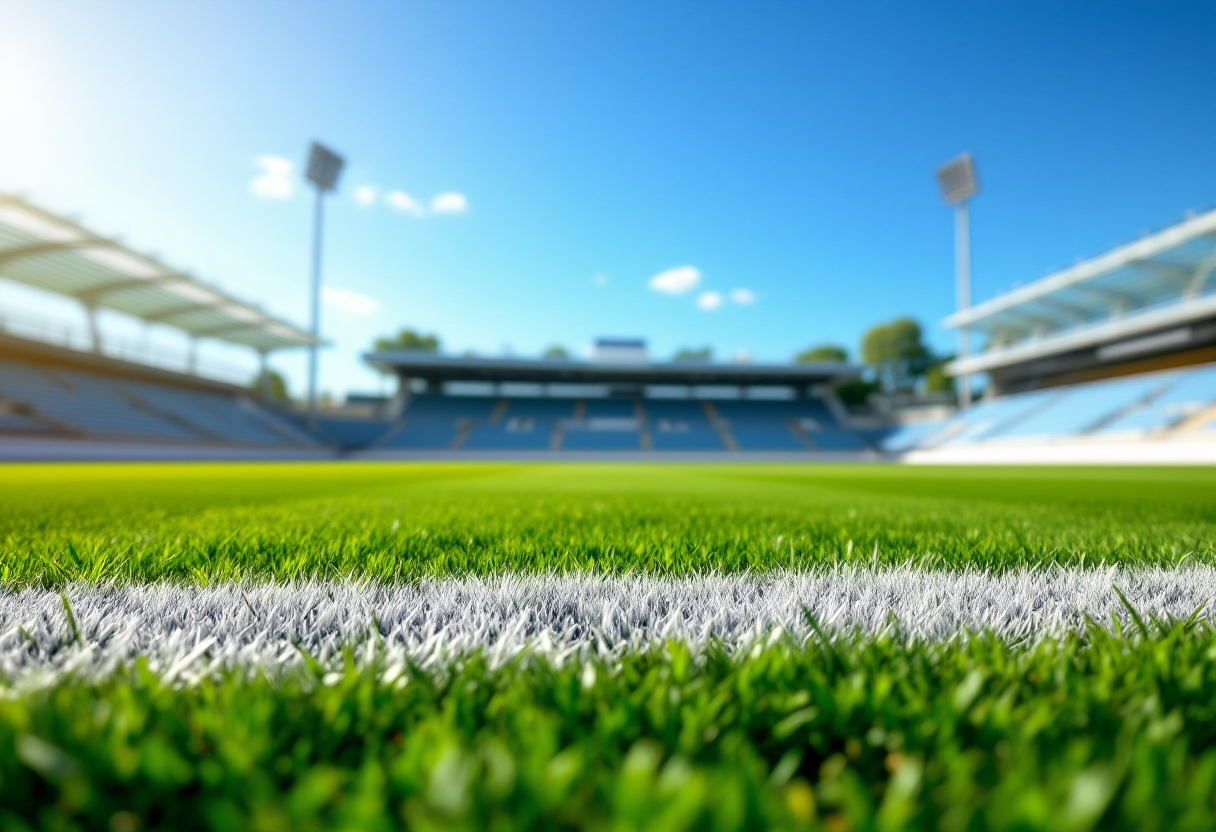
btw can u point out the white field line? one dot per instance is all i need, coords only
(186, 631)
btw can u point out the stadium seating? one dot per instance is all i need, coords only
(1186, 394)
(79, 403)
(216, 416)
(1133, 405)
(353, 433)
(760, 426)
(1082, 408)
(784, 425)
(525, 424)
(835, 439)
(84, 405)
(680, 425)
(432, 421)
(576, 439)
(904, 437)
(989, 418)
(20, 423)
(603, 424)
(609, 409)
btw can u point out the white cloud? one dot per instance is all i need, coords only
(677, 281)
(709, 301)
(600, 280)
(352, 303)
(450, 203)
(275, 180)
(742, 357)
(743, 297)
(406, 204)
(365, 194)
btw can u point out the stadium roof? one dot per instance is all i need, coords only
(432, 367)
(56, 254)
(1161, 280)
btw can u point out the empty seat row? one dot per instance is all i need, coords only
(80, 403)
(485, 423)
(353, 433)
(1141, 404)
(1189, 394)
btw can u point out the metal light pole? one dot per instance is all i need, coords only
(324, 168)
(957, 181)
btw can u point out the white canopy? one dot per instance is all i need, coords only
(56, 254)
(1163, 279)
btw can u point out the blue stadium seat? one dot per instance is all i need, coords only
(1189, 392)
(216, 416)
(835, 439)
(20, 423)
(765, 437)
(601, 440)
(1082, 408)
(609, 409)
(907, 437)
(989, 418)
(353, 434)
(767, 425)
(435, 421)
(85, 404)
(680, 425)
(108, 406)
(526, 424)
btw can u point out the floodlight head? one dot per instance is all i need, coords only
(957, 180)
(324, 167)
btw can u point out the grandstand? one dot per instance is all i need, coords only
(613, 406)
(1113, 359)
(60, 401)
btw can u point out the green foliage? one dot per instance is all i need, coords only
(556, 352)
(1092, 731)
(936, 379)
(408, 339)
(897, 353)
(823, 354)
(394, 522)
(694, 354)
(272, 381)
(856, 391)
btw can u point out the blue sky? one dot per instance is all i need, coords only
(784, 149)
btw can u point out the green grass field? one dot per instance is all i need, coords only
(208, 523)
(1100, 728)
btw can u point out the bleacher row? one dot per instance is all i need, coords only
(469, 423)
(63, 401)
(1132, 407)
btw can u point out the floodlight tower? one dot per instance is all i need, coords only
(957, 180)
(324, 168)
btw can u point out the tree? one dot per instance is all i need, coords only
(856, 392)
(823, 354)
(276, 385)
(556, 352)
(936, 379)
(694, 354)
(897, 353)
(410, 340)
